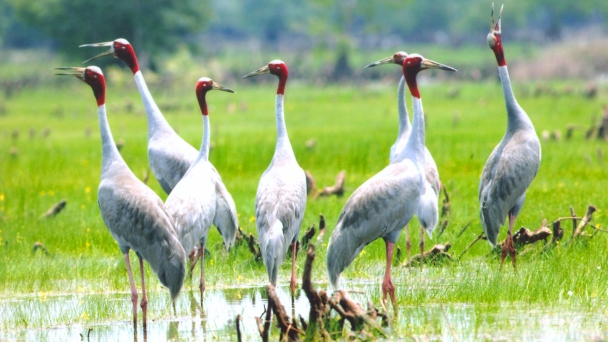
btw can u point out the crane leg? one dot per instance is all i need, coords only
(202, 283)
(144, 297)
(293, 270)
(421, 244)
(508, 246)
(387, 283)
(133, 289)
(408, 245)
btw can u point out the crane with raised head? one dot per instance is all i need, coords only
(432, 182)
(385, 203)
(169, 155)
(133, 213)
(281, 196)
(201, 199)
(513, 163)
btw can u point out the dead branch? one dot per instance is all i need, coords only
(321, 227)
(238, 328)
(310, 233)
(264, 330)
(318, 300)
(39, 246)
(481, 236)
(579, 229)
(252, 243)
(288, 327)
(446, 206)
(464, 228)
(374, 313)
(432, 255)
(573, 220)
(524, 236)
(337, 189)
(310, 183)
(55, 209)
(353, 313)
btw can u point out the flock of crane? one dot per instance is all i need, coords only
(167, 234)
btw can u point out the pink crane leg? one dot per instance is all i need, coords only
(202, 282)
(408, 244)
(133, 289)
(144, 299)
(421, 243)
(387, 283)
(293, 269)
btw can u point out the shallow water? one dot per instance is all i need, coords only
(216, 319)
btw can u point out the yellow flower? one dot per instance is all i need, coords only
(82, 206)
(211, 262)
(88, 244)
(84, 316)
(238, 294)
(42, 192)
(252, 219)
(1, 197)
(51, 193)
(85, 163)
(87, 189)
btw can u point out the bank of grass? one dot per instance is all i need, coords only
(354, 127)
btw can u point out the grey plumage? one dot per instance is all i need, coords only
(513, 164)
(135, 216)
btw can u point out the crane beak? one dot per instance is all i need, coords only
(386, 60)
(218, 86)
(69, 71)
(495, 27)
(429, 64)
(109, 52)
(263, 70)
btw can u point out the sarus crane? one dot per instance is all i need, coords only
(514, 162)
(385, 203)
(133, 213)
(432, 182)
(281, 196)
(201, 199)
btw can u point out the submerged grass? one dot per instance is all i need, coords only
(354, 127)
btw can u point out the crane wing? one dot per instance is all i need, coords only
(508, 173)
(170, 159)
(226, 218)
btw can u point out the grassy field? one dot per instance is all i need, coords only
(50, 150)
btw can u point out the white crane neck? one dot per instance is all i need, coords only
(404, 121)
(283, 147)
(516, 116)
(414, 149)
(109, 152)
(156, 120)
(203, 154)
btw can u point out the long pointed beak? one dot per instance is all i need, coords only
(263, 70)
(429, 64)
(495, 25)
(109, 52)
(386, 60)
(71, 71)
(218, 86)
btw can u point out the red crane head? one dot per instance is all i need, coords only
(276, 67)
(119, 48)
(92, 76)
(204, 85)
(397, 58)
(415, 63)
(495, 37)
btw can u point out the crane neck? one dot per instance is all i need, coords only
(203, 154)
(516, 116)
(404, 121)
(414, 149)
(156, 120)
(109, 152)
(283, 147)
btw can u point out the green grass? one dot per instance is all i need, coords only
(354, 127)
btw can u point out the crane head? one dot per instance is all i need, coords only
(276, 67)
(397, 58)
(119, 48)
(416, 62)
(92, 76)
(203, 85)
(495, 29)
